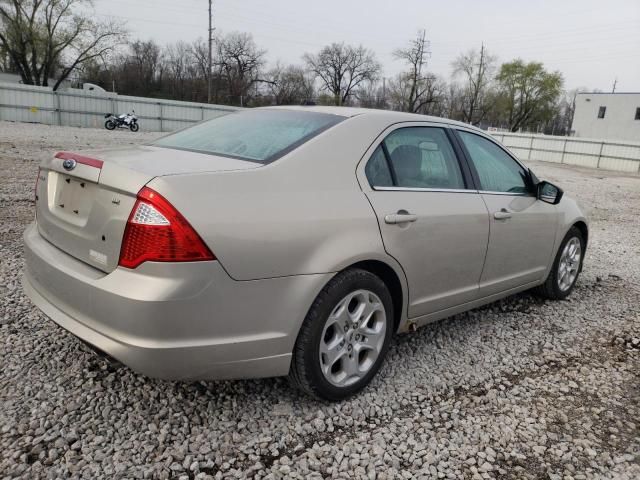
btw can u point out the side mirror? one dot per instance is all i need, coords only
(549, 193)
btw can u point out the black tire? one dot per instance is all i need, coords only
(134, 127)
(550, 288)
(109, 125)
(305, 372)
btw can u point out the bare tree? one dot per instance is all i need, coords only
(477, 70)
(6, 64)
(562, 119)
(181, 67)
(142, 69)
(342, 68)
(52, 38)
(431, 100)
(570, 109)
(414, 89)
(372, 94)
(289, 85)
(239, 60)
(454, 100)
(199, 51)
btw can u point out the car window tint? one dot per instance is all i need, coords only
(498, 172)
(377, 170)
(256, 135)
(422, 157)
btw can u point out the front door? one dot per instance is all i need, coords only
(432, 221)
(522, 228)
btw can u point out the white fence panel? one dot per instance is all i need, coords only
(26, 103)
(583, 152)
(78, 108)
(548, 149)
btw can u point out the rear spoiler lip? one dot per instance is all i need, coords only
(84, 160)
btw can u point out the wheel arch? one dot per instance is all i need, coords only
(584, 230)
(392, 280)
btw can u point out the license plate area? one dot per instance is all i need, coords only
(73, 198)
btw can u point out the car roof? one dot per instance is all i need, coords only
(392, 116)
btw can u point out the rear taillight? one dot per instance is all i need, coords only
(157, 232)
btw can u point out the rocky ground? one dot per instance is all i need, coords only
(520, 389)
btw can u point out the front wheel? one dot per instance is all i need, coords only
(566, 267)
(134, 127)
(344, 337)
(109, 125)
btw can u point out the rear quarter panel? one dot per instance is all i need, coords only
(302, 214)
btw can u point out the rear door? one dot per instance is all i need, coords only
(522, 228)
(431, 218)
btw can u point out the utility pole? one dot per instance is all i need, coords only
(210, 67)
(615, 82)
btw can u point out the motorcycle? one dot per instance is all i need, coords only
(126, 120)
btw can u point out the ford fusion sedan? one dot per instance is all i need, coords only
(290, 241)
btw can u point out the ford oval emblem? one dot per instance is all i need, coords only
(69, 164)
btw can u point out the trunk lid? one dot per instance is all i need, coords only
(83, 201)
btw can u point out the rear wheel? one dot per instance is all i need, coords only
(344, 337)
(566, 267)
(109, 125)
(134, 127)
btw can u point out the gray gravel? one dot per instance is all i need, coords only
(521, 389)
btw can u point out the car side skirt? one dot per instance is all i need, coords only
(417, 322)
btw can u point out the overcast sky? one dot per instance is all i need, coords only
(592, 42)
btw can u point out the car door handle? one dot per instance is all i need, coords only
(396, 218)
(502, 214)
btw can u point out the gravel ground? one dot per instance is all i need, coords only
(520, 389)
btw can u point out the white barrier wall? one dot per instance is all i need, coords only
(26, 103)
(584, 152)
(77, 108)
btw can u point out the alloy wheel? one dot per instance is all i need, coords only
(352, 338)
(569, 264)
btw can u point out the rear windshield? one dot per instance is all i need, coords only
(256, 135)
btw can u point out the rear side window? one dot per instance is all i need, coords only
(377, 170)
(418, 157)
(255, 135)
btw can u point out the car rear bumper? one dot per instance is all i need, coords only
(177, 321)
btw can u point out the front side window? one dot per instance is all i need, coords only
(418, 157)
(497, 171)
(638, 113)
(602, 111)
(254, 135)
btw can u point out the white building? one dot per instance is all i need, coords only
(609, 116)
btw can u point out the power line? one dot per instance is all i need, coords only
(522, 42)
(441, 49)
(176, 24)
